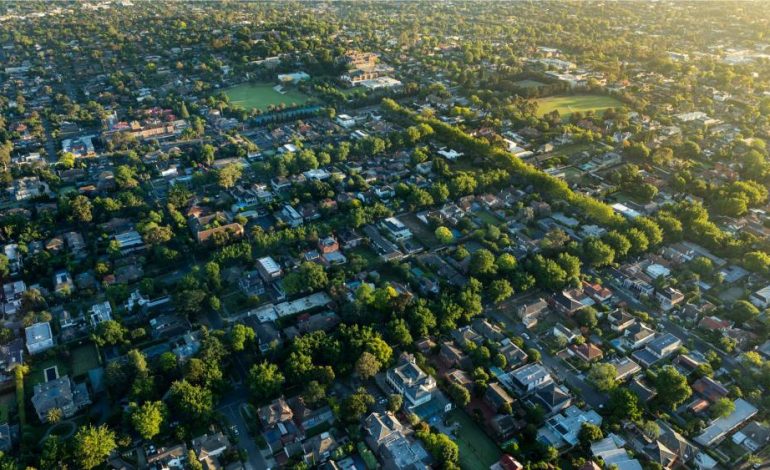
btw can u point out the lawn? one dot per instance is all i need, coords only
(566, 105)
(477, 451)
(262, 95)
(84, 358)
(528, 84)
(37, 371)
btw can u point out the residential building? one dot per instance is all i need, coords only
(269, 269)
(39, 337)
(721, 427)
(669, 298)
(562, 429)
(409, 380)
(530, 378)
(761, 298)
(209, 447)
(99, 313)
(396, 229)
(60, 393)
(386, 436)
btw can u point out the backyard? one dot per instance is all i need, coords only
(262, 95)
(566, 105)
(477, 451)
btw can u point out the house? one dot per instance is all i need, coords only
(568, 302)
(234, 230)
(452, 356)
(465, 334)
(637, 335)
(620, 320)
(11, 251)
(318, 449)
(11, 354)
(209, 447)
(710, 389)
(658, 349)
(60, 393)
(396, 229)
(328, 245)
(251, 283)
(166, 458)
(62, 283)
(530, 312)
(761, 298)
(719, 428)
(99, 313)
(670, 449)
(562, 429)
(290, 216)
(587, 352)
(350, 239)
(269, 269)
(553, 398)
(561, 331)
(279, 428)
(597, 292)
(487, 329)
(625, 367)
(669, 298)
(753, 437)
(497, 397)
(409, 380)
(386, 436)
(39, 337)
(514, 356)
(12, 293)
(530, 378)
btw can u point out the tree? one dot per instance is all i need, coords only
(650, 429)
(742, 311)
(265, 380)
(356, 405)
(619, 242)
(367, 365)
(92, 446)
(54, 415)
(444, 235)
(589, 433)
(506, 263)
(110, 332)
(533, 354)
(125, 177)
(757, 261)
(587, 317)
(314, 393)
(597, 253)
(499, 290)
(482, 263)
(309, 277)
(602, 375)
(148, 418)
(459, 394)
(624, 404)
(81, 209)
(229, 175)
(722, 407)
(192, 402)
(398, 330)
(672, 387)
(240, 335)
(441, 447)
(395, 401)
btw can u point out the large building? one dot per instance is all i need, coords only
(409, 380)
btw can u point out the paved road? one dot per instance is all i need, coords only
(233, 416)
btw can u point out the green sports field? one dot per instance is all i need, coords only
(570, 104)
(262, 95)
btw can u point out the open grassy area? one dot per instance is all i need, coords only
(566, 105)
(84, 358)
(528, 84)
(477, 450)
(262, 95)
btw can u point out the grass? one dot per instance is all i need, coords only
(262, 95)
(528, 84)
(37, 371)
(84, 358)
(566, 105)
(477, 450)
